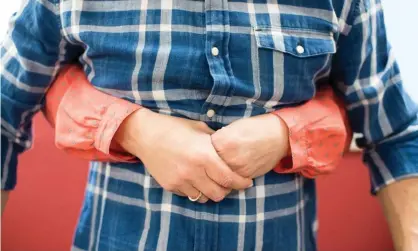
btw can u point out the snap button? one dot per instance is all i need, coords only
(215, 51)
(300, 49)
(210, 113)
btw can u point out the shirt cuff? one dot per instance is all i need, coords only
(112, 118)
(318, 135)
(391, 162)
(87, 119)
(298, 143)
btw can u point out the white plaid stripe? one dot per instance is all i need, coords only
(158, 86)
(103, 205)
(97, 191)
(143, 239)
(260, 196)
(242, 221)
(278, 59)
(173, 209)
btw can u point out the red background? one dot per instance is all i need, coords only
(43, 210)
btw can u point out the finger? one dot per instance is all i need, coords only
(192, 192)
(205, 128)
(220, 172)
(208, 130)
(181, 194)
(209, 188)
(203, 199)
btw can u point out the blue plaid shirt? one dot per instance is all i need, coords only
(160, 54)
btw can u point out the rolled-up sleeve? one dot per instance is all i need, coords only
(86, 119)
(365, 71)
(31, 55)
(318, 135)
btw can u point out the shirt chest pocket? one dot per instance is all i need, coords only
(292, 61)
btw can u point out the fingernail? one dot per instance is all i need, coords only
(251, 185)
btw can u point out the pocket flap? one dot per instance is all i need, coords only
(299, 43)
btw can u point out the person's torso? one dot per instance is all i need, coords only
(185, 58)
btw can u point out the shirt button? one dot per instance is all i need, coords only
(215, 51)
(210, 113)
(300, 49)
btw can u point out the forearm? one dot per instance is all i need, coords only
(4, 199)
(400, 205)
(130, 134)
(394, 175)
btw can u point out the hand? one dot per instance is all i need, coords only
(179, 154)
(253, 146)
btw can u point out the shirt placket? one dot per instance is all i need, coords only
(216, 50)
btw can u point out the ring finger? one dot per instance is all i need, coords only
(193, 193)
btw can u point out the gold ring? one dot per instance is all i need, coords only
(197, 198)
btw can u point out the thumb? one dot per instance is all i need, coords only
(203, 127)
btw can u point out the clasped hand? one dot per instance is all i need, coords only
(186, 157)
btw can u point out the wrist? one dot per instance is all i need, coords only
(130, 134)
(282, 132)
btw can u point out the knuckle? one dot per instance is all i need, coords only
(217, 137)
(230, 143)
(183, 175)
(171, 186)
(196, 157)
(236, 161)
(204, 199)
(244, 171)
(226, 181)
(220, 143)
(217, 196)
(222, 140)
